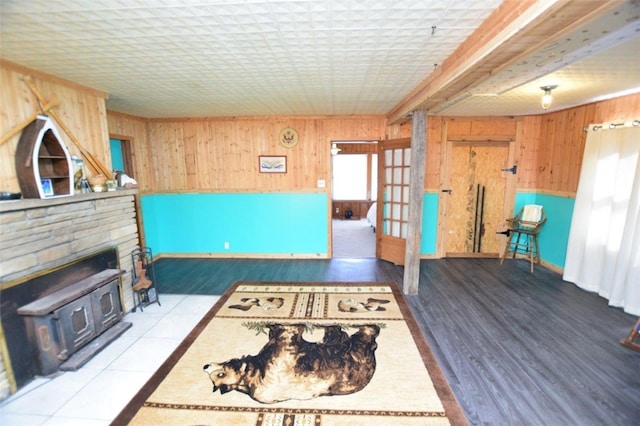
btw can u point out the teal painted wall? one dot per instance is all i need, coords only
(554, 235)
(429, 224)
(117, 160)
(296, 223)
(252, 223)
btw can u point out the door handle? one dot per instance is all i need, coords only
(449, 191)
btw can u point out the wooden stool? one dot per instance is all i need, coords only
(522, 234)
(629, 340)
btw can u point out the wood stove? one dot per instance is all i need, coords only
(63, 322)
(66, 315)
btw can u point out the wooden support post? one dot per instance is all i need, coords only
(416, 196)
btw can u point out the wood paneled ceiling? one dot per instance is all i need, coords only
(197, 58)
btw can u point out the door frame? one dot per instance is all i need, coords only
(445, 179)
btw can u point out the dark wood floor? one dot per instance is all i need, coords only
(517, 348)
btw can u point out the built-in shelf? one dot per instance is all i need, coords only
(43, 162)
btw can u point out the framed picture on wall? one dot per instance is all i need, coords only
(272, 163)
(47, 187)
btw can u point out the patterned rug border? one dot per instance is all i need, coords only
(452, 408)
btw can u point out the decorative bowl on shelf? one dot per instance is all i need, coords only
(99, 188)
(97, 180)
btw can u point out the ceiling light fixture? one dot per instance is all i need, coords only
(547, 98)
(334, 149)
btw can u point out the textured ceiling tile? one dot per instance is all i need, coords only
(170, 58)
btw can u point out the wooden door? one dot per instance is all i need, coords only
(394, 157)
(476, 198)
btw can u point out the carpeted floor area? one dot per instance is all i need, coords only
(353, 239)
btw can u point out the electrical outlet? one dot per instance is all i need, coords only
(226, 245)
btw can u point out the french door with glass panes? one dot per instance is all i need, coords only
(394, 157)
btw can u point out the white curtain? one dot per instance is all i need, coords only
(603, 253)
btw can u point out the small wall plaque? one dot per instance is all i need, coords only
(288, 137)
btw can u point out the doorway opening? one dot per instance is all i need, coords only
(121, 156)
(354, 183)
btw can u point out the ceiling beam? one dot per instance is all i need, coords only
(515, 29)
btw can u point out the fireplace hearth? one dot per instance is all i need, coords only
(48, 244)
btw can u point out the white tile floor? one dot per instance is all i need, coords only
(95, 394)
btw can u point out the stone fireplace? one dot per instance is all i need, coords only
(82, 242)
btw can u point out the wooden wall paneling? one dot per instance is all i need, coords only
(83, 110)
(573, 149)
(552, 141)
(458, 126)
(193, 141)
(625, 108)
(545, 163)
(549, 159)
(225, 151)
(17, 105)
(481, 126)
(316, 163)
(236, 157)
(400, 130)
(177, 176)
(209, 160)
(493, 127)
(354, 128)
(302, 173)
(543, 158)
(136, 130)
(221, 137)
(529, 147)
(558, 152)
(83, 114)
(243, 156)
(628, 109)
(157, 155)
